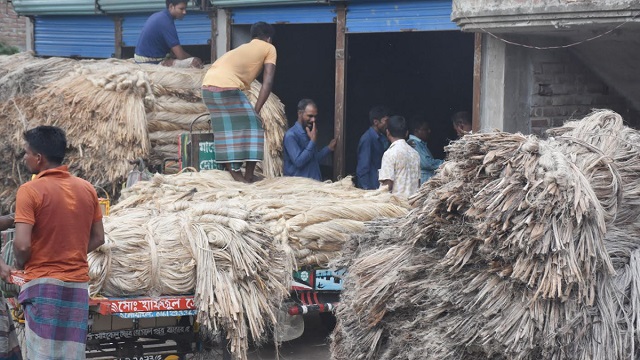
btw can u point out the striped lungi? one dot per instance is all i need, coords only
(237, 132)
(56, 315)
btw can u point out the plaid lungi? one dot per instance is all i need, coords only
(237, 132)
(56, 314)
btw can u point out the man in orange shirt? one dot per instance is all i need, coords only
(237, 128)
(58, 221)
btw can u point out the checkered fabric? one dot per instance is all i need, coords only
(237, 131)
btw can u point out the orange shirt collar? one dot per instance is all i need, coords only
(60, 171)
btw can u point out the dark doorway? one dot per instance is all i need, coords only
(421, 73)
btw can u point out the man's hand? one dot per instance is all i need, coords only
(332, 144)
(313, 133)
(197, 63)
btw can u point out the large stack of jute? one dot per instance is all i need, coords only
(519, 248)
(234, 244)
(113, 111)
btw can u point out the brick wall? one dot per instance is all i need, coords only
(563, 88)
(12, 26)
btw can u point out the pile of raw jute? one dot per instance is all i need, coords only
(518, 248)
(113, 111)
(235, 245)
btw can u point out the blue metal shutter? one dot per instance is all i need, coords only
(394, 16)
(83, 36)
(194, 29)
(304, 14)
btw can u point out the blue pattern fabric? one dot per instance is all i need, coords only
(370, 150)
(301, 157)
(428, 164)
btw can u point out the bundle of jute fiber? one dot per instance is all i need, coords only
(311, 218)
(103, 114)
(519, 248)
(22, 73)
(234, 245)
(218, 250)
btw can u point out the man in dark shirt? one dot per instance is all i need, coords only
(159, 36)
(372, 145)
(301, 156)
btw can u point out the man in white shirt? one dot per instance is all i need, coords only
(400, 169)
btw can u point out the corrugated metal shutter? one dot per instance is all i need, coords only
(301, 14)
(138, 6)
(83, 36)
(394, 16)
(129, 6)
(54, 7)
(194, 29)
(237, 3)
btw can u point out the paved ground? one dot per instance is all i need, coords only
(312, 345)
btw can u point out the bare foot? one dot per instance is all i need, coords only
(256, 178)
(237, 176)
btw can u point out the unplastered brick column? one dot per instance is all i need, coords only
(563, 88)
(12, 26)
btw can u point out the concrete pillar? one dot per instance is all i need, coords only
(505, 89)
(223, 35)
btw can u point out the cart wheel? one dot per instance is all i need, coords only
(213, 348)
(22, 338)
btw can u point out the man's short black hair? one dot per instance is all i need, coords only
(48, 141)
(262, 30)
(378, 112)
(302, 104)
(418, 122)
(176, 2)
(397, 126)
(461, 118)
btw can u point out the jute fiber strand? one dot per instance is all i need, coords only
(234, 245)
(519, 248)
(113, 111)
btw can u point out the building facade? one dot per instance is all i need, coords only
(13, 28)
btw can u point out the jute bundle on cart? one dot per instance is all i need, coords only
(113, 111)
(234, 244)
(520, 248)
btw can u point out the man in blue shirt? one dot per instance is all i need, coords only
(420, 132)
(372, 145)
(301, 156)
(159, 36)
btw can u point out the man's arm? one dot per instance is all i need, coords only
(22, 244)
(299, 157)
(179, 52)
(96, 239)
(267, 85)
(6, 222)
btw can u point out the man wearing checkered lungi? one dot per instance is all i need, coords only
(236, 124)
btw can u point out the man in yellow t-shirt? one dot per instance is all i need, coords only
(237, 128)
